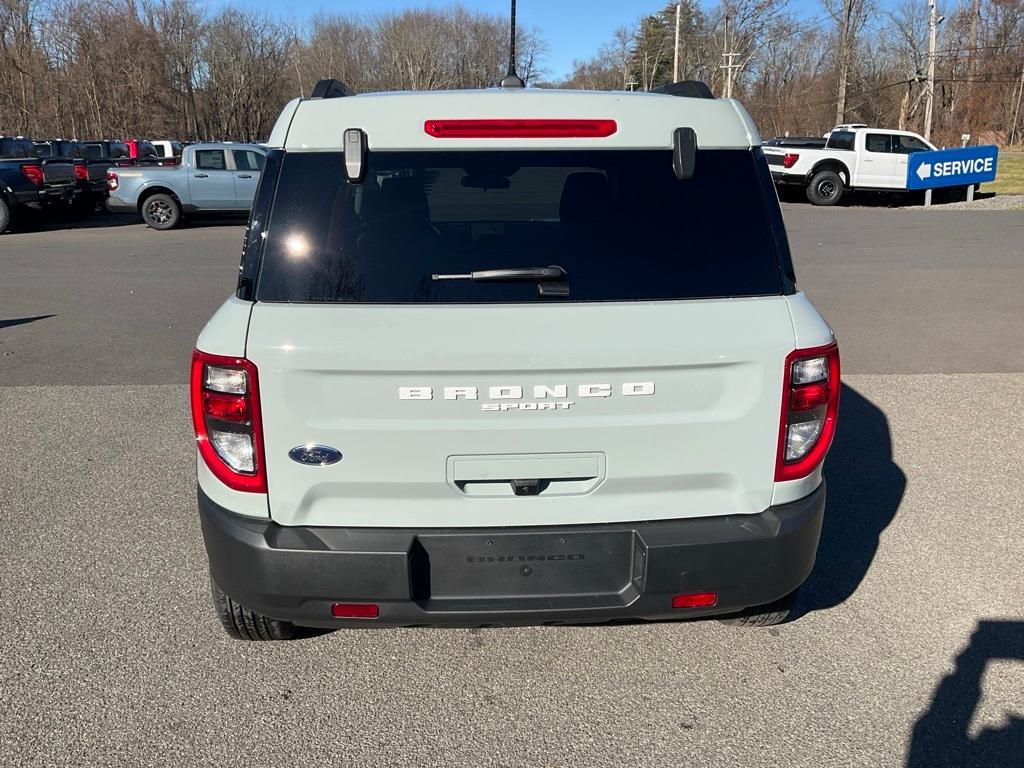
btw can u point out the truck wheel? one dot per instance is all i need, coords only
(161, 211)
(763, 615)
(5, 216)
(242, 624)
(826, 188)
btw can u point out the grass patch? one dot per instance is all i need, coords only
(1009, 175)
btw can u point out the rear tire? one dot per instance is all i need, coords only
(242, 624)
(161, 211)
(763, 615)
(826, 188)
(5, 216)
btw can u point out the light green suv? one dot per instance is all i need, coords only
(512, 356)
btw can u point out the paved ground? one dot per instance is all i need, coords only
(909, 649)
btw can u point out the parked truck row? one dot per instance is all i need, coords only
(45, 176)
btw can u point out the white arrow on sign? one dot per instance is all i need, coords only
(924, 171)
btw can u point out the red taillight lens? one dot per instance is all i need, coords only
(789, 160)
(355, 610)
(33, 173)
(226, 418)
(695, 600)
(809, 397)
(519, 129)
(225, 407)
(810, 406)
(81, 173)
(112, 181)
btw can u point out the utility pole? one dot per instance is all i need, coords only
(728, 56)
(972, 49)
(675, 58)
(933, 24)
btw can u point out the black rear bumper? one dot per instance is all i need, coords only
(485, 576)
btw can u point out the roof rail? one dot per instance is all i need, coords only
(330, 89)
(694, 89)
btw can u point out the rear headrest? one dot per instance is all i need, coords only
(403, 197)
(585, 199)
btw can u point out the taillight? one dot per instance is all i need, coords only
(81, 173)
(226, 417)
(112, 181)
(810, 405)
(34, 174)
(519, 129)
(789, 160)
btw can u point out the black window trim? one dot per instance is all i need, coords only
(253, 241)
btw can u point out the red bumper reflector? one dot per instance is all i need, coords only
(355, 610)
(520, 129)
(695, 600)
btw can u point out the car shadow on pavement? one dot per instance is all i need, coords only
(941, 736)
(22, 321)
(865, 488)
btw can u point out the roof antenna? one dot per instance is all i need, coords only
(512, 80)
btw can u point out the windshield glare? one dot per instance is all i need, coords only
(618, 222)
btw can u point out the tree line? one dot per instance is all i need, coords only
(169, 68)
(172, 68)
(863, 61)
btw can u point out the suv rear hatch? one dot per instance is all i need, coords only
(652, 390)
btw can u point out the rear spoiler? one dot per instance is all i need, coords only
(691, 89)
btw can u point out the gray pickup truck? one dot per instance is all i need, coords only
(212, 178)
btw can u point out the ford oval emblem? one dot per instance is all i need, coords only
(315, 455)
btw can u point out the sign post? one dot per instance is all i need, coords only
(952, 168)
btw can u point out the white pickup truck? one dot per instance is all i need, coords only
(849, 158)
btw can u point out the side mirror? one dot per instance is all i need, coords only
(684, 153)
(355, 155)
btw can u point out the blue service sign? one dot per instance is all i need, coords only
(952, 167)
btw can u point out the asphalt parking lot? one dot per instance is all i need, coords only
(908, 648)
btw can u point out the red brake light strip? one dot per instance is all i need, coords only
(520, 129)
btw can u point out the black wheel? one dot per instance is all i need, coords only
(5, 216)
(826, 188)
(161, 211)
(763, 615)
(242, 624)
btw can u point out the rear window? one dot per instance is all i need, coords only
(840, 140)
(16, 148)
(877, 142)
(619, 223)
(210, 160)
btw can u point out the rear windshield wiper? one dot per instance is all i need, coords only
(514, 275)
(551, 280)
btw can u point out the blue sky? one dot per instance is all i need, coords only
(574, 29)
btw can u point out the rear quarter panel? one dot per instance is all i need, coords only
(134, 181)
(225, 334)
